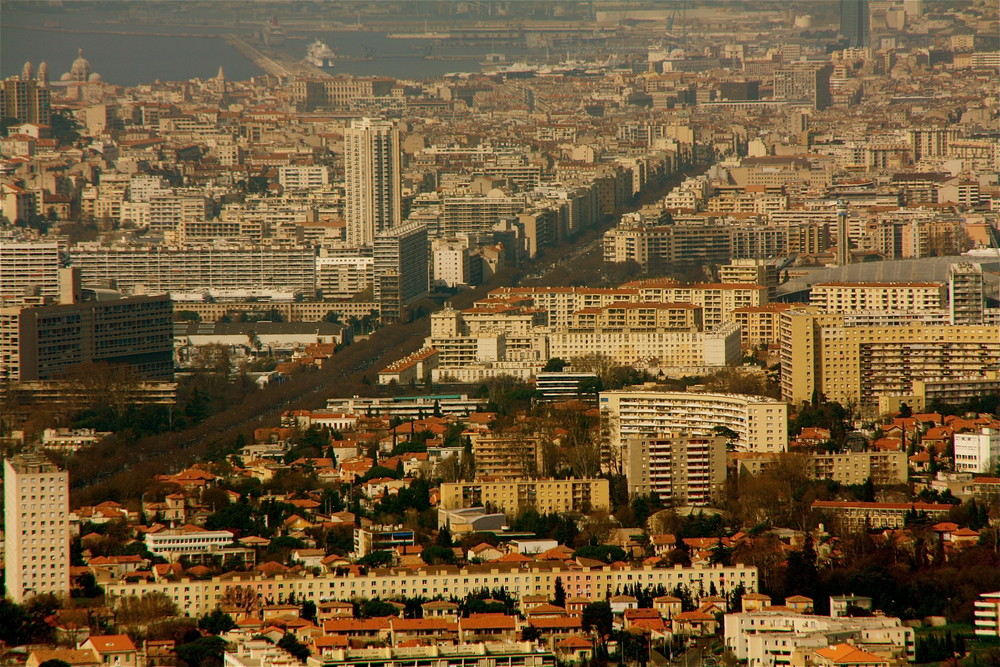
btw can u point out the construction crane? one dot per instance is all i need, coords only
(676, 24)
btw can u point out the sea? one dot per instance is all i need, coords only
(130, 53)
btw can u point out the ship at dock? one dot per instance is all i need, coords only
(320, 55)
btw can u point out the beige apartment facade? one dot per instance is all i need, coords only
(856, 365)
(517, 495)
(853, 297)
(759, 423)
(678, 468)
(199, 597)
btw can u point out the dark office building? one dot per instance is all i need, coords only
(854, 22)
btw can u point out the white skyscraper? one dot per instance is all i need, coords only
(36, 527)
(371, 166)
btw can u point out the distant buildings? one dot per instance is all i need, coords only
(36, 528)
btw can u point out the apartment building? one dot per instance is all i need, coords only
(855, 365)
(380, 538)
(566, 386)
(401, 268)
(680, 469)
(341, 277)
(651, 347)
(507, 654)
(965, 293)
(751, 272)
(884, 468)
(760, 325)
(515, 496)
(198, 597)
(760, 423)
(172, 543)
(987, 612)
(241, 268)
(855, 516)
(852, 297)
(408, 407)
(451, 261)
(36, 528)
(977, 452)
(27, 99)
(639, 316)
(372, 164)
(507, 456)
(338, 91)
(168, 211)
(29, 268)
(471, 214)
(717, 300)
(768, 637)
(303, 177)
(45, 342)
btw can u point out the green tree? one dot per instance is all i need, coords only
(554, 365)
(202, 652)
(294, 646)
(377, 559)
(597, 616)
(216, 622)
(559, 593)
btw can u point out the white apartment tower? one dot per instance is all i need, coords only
(36, 527)
(977, 452)
(372, 174)
(965, 293)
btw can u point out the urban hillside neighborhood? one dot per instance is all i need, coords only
(669, 335)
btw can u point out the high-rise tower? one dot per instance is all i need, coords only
(854, 22)
(843, 235)
(372, 174)
(36, 527)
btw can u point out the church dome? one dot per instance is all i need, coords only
(81, 67)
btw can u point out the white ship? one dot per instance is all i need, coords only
(320, 55)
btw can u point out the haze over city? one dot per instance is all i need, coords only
(443, 333)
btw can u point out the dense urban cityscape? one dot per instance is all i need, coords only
(486, 333)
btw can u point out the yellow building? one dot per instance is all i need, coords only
(856, 467)
(856, 365)
(759, 325)
(510, 456)
(679, 468)
(854, 297)
(517, 495)
(196, 597)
